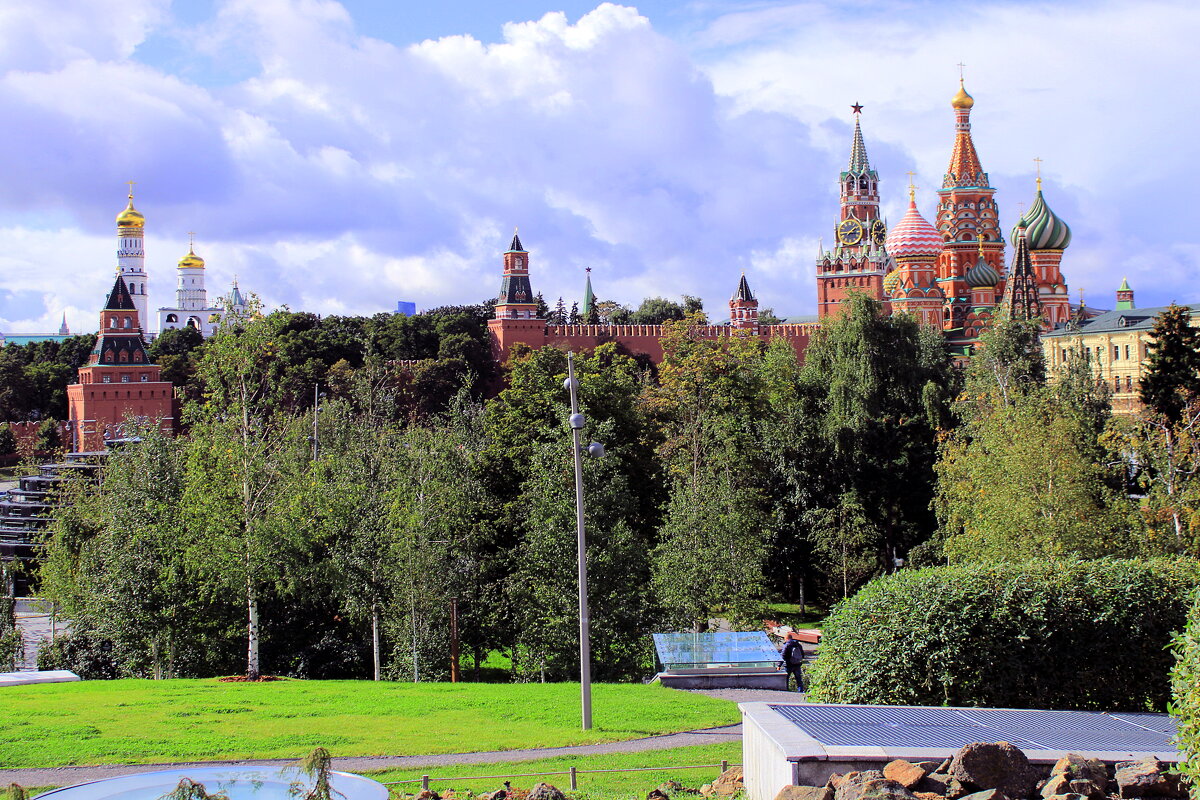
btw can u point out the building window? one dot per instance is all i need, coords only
(145, 378)
(1116, 352)
(1128, 382)
(128, 322)
(1117, 383)
(124, 379)
(106, 378)
(1126, 352)
(172, 318)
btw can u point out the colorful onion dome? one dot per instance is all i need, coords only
(191, 260)
(982, 274)
(891, 282)
(131, 217)
(1043, 228)
(962, 99)
(913, 236)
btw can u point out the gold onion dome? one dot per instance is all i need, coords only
(891, 282)
(962, 99)
(131, 217)
(191, 260)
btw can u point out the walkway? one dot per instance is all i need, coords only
(66, 776)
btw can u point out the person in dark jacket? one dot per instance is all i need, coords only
(793, 657)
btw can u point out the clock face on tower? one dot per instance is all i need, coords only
(878, 232)
(850, 231)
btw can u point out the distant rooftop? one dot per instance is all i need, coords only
(1121, 319)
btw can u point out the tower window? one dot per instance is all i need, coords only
(106, 379)
(145, 378)
(124, 379)
(172, 318)
(128, 322)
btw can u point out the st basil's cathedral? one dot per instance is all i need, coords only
(951, 275)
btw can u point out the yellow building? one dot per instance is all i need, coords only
(1115, 342)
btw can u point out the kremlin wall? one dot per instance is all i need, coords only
(950, 273)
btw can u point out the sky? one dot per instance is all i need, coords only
(339, 156)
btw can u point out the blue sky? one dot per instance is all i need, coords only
(337, 157)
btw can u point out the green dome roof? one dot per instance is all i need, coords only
(982, 274)
(1043, 229)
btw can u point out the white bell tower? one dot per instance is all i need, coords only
(131, 256)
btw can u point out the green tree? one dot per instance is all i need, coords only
(8, 440)
(246, 463)
(48, 439)
(877, 388)
(1171, 378)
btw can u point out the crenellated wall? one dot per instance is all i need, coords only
(637, 339)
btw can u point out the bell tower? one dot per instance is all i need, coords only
(131, 256)
(858, 261)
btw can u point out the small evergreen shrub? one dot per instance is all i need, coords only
(1060, 635)
(1185, 686)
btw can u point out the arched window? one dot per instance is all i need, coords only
(137, 356)
(124, 356)
(128, 322)
(172, 318)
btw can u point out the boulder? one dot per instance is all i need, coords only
(545, 791)
(657, 794)
(1147, 778)
(730, 783)
(870, 785)
(993, 765)
(1077, 767)
(936, 783)
(987, 794)
(805, 793)
(905, 773)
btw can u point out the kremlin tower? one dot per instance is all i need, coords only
(131, 255)
(743, 308)
(191, 298)
(858, 261)
(118, 382)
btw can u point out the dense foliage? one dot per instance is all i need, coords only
(1185, 687)
(34, 377)
(1066, 635)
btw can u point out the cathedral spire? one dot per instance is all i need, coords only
(965, 168)
(1021, 291)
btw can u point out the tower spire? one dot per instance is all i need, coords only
(859, 164)
(965, 168)
(1021, 291)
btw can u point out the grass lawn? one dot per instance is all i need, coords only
(603, 786)
(143, 721)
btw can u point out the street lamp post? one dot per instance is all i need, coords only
(576, 421)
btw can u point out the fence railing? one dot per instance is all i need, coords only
(574, 772)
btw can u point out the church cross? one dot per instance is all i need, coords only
(960, 66)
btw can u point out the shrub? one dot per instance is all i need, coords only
(1067, 635)
(1185, 685)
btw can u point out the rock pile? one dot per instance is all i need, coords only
(999, 771)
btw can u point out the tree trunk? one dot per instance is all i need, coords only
(252, 667)
(375, 637)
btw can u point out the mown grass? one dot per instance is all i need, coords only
(592, 786)
(142, 721)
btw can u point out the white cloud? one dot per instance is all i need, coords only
(347, 172)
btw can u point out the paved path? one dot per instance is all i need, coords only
(66, 776)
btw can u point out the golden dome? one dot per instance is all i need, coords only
(131, 217)
(191, 260)
(962, 99)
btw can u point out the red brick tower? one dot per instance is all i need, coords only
(966, 209)
(516, 308)
(858, 261)
(119, 382)
(743, 308)
(915, 245)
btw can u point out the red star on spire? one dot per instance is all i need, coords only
(857, 108)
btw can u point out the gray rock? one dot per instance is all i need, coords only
(544, 791)
(993, 765)
(989, 794)
(805, 793)
(935, 783)
(869, 785)
(1147, 778)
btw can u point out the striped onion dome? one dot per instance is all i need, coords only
(891, 282)
(1044, 230)
(982, 274)
(913, 236)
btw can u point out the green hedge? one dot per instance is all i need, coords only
(1064, 635)
(1185, 685)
